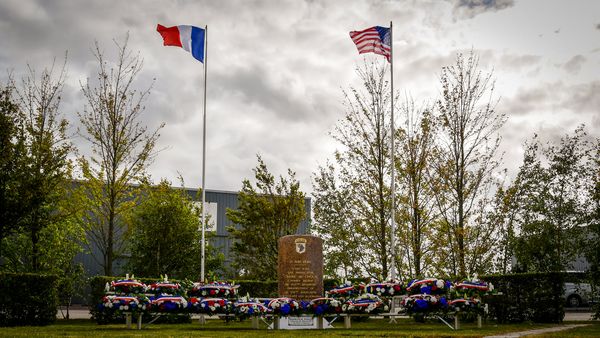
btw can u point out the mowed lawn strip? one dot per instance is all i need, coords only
(213, 328)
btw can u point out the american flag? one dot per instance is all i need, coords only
(373, 40)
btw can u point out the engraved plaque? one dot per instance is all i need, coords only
(300, 267)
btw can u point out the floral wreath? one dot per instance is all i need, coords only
(466, 305)
(124, 303)
(325, 305)
(366, 303)
(283, 306)
(166, 288)
(420, 303)
(430, 286)
(248, 309)
(169, 304)
(473, 289)
(127, 286)
(343, 291)
(210, 306)
(216, 289)
(385, 289)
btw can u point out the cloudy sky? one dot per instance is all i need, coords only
(277, 69)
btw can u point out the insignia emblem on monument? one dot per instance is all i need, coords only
(300, 245)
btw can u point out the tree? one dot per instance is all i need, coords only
(341, 243)
(164, 235)
(271, 209)
(357, 232)
(416, 182)
(468, 141)
(122, 149)
(11, 148)
(44, 166)
(503, 216)
(592, 202)
(551, 209)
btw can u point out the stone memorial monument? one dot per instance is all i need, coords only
(300, 267)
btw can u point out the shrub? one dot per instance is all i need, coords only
(536, 297)
(260, 289)
(28, 299)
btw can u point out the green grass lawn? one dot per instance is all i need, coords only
(218, 328)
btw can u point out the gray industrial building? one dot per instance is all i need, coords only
(217, 203)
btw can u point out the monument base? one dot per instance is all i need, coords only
(300, 323)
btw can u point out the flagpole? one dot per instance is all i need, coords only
(204, 157)
(393, 244)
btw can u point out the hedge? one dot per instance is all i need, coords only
(536, 297)
(28, 299)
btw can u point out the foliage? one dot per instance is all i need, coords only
(468, 142)
(164, 236)
(59, 243)
(549, 204)
(416, 183)
(256, 288)
(122, 149)
(27, 299)
(533, 297)
(265, 213)
(38, 172)
(351, 205)
(11, 148)
(592, 205)
(43, 164)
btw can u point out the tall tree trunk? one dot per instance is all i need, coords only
(35, 239)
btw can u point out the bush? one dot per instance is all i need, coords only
(329, 283)
(260, 289)
(536, 297)
(28, 299)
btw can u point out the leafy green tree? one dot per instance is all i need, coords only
(352, 196)
(271, 209)
(11, 148)
(36, 174)
(503, 216)
(416, 184)
(592, 203)
(341, 243)
(468, 140)
(122, 149)
(551, 187)
(44, 165)
(164, 236)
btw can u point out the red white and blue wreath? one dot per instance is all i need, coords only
(429, 286)
(325, 306)
(365, 304)
(283, 306)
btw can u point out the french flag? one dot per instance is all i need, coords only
(190, 38)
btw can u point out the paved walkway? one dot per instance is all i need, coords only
(538, 331)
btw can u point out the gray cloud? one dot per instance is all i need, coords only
(517, 62)
(471, 8)
(574, 64)
(556, 103)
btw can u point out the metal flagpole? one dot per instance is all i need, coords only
(393, 244)
(204, 156)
